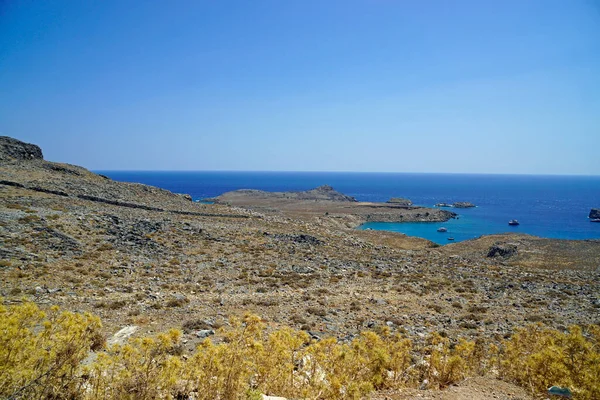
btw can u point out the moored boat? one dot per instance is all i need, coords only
(442, 229)
(450, 238)
(595, 220)
(513, 222)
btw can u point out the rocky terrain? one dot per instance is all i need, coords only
(142, 256)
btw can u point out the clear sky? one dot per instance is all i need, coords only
(478, 86)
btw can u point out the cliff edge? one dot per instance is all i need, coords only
(13, 149)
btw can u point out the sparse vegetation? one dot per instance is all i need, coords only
(41, 355)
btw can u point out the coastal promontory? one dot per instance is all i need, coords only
(326, 203)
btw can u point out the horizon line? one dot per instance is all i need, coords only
(348, 172)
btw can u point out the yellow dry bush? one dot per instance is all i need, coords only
(41, 357)
(40, 354)
(538, 357)
(143, 369)
(224, 371)
(277, 362)
(449, 364)
(286, 363)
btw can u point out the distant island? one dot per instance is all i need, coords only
(458, 204)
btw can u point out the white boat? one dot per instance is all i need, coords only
(442, 229)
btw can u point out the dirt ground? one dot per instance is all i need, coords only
(471, 389)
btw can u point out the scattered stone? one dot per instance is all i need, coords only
(204, 333)
(301, 238)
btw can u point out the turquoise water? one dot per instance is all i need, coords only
(471, 223)
(546, 206)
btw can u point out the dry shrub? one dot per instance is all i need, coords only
(537, 357)
(145, 368)
(41, 357)
(40, 354)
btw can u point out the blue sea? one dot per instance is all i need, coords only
(546, 206)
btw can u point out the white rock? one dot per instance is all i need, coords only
(121, 336)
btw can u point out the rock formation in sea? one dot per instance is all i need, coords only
(463, 204)
(457, 204)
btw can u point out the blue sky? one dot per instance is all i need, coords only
(375, 85)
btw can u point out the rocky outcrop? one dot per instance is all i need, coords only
(400, 201)
(502, 250)
(13, 149)
(326, 192)
(594, 213)
(186, 196)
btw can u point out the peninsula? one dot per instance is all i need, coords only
(325, 203)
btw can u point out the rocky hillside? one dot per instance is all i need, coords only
(145, 257)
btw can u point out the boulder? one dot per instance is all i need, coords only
(594, 213)
(400, 201)
(13, 149)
